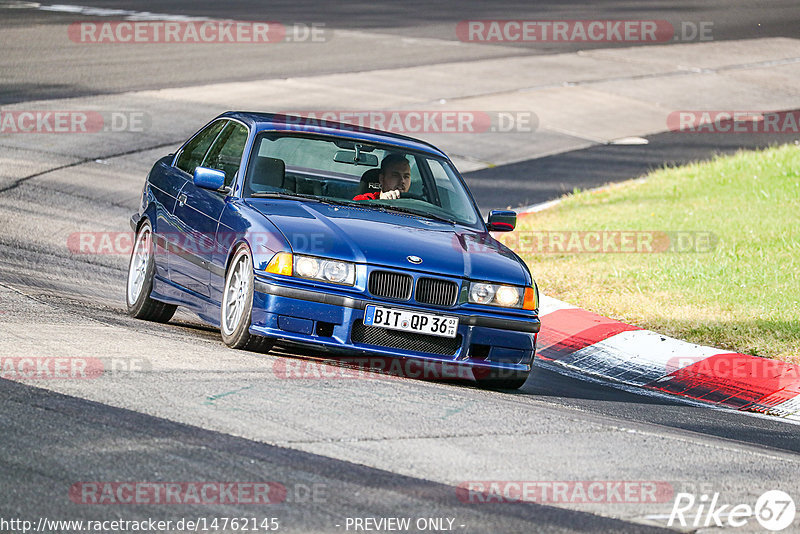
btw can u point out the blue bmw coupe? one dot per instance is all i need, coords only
(351, 240)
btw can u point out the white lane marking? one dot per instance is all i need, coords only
(637, 357)
(19, 5)
(539, 207)
(125, 14)
(790, 409)
(630, 141)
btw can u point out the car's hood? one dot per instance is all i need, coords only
(388, 239)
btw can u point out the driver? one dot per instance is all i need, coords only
(395, 178)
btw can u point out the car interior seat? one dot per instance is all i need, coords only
(369, 181)
(267, 174)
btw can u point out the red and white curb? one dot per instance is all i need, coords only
(595, 345)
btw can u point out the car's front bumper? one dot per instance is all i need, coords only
(335, 322)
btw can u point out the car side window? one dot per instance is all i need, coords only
(226, 153)
(195, 150)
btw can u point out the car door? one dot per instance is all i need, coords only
(189, 157)
(198, 210)
(164, 184)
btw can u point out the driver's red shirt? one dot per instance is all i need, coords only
(368, 196)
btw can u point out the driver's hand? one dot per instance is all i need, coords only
(390, 195)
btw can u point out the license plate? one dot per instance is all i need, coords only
(411, 321)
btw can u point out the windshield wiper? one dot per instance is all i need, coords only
(415, 212)
(303, 196)
(277, 194)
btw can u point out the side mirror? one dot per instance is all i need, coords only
(502, 220)
(209, 178)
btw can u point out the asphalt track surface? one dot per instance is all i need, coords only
(401, 34)
(376, 447)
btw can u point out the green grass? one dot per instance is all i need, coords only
(742, 295)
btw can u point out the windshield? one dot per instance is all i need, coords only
(350, 172)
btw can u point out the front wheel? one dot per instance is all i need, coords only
(141, 270)
(237, 305)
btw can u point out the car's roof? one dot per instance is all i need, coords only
(278, 122)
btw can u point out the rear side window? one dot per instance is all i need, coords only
(195, 150)
(226, 153)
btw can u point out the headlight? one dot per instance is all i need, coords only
(481, 293)
(325, 270)
(337, 272)
(306, 267)
(503, 295)
(507, 296)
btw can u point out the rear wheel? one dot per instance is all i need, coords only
(237, 305)
(141, 270)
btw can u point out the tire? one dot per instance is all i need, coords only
(503, 379)
(141, 269)
(236, 309)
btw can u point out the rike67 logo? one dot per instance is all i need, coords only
(774, 510)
